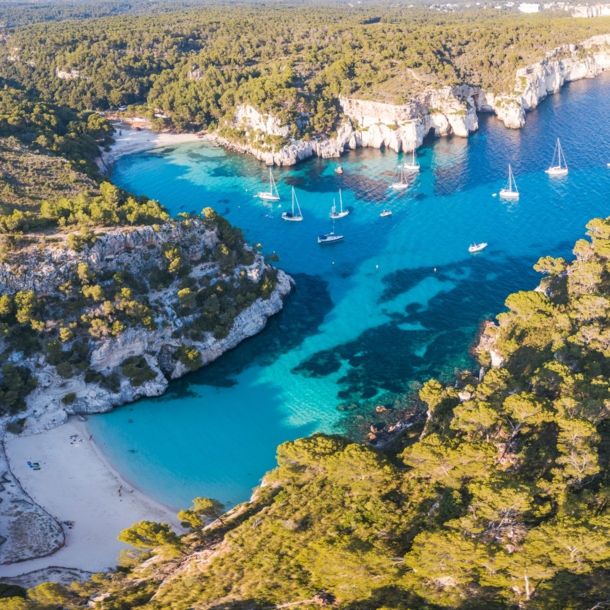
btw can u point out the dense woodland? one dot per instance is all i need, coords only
(196, 65)
(500, 499)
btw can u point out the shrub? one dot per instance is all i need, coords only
(137, 370)
(111, 382)
(69, 398)
(64, 369)
(189, 356)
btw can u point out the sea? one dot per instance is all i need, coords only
(397, 302)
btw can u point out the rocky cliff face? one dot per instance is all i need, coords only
(445, 111)
(562, 65)
(448, 110)
(137, 251)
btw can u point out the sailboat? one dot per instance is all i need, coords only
(271, 194)
(330, 238)
(291, 215)
(510, 192)
(561, 169)
(403, 184)
(412, 166)
(340, 213)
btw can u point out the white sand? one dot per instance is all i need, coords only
(77, 483)
(131, 141)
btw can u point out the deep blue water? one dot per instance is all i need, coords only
(398, 301)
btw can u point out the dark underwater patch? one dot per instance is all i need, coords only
(388, 358)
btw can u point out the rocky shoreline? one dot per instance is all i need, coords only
(441, 111)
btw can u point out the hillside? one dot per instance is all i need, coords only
(196, 66)
(28, 179)
(498, 500)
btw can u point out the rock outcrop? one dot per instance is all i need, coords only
(443, 111)
(136, 250)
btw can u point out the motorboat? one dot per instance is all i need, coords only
(477, 247)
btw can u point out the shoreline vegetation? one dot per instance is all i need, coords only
(308, 81)
(498, 500)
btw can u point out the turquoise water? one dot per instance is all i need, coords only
(398, 301)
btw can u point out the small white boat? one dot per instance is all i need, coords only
(330, 238)
(477, 247)
(339, 170)
(403, 184)
(413, 165)
(559, 168)
(608, 164)
(271, 194)
(385, 213)
(341, 213)
(291, 216)
(510, 192)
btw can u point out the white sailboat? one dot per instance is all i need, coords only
(561, 167)
(291, 216)
(403, 184)
(413, 165)
(510, 192)
(271, 194)
(341, 213)
(330, 238)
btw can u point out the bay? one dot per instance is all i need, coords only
(397, 302)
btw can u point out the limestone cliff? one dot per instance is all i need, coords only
(442, 111)
(138, 253)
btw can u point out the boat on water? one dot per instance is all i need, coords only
(402, 184)
(330, 238)
(271, 194)
(292, 216)
(385, 213)
(477, 247)
(510, 192)
(341, 213)
(413, 165)
(558, 167)
(338, 170)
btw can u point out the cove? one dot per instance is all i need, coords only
(397, 302)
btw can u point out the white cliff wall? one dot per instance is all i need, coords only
(560, 66)
(446, 110)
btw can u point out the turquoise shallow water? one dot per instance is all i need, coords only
(398, 301)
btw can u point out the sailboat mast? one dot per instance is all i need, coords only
(340, 201)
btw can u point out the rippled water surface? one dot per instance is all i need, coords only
(398, 301)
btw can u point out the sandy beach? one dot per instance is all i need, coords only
(129, 141)
(77, 483)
